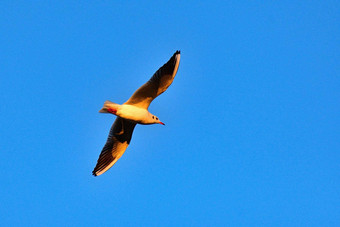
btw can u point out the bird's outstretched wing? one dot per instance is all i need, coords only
(157, 84)
(116, 144)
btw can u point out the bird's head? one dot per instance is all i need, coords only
(155, 120)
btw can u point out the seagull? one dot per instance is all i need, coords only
(134, 111)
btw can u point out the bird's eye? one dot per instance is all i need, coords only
(153, 117)
(156, 118)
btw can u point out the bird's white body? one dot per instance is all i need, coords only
(129, 112)
(136, 114)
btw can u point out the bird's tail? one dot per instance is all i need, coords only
(109, 107)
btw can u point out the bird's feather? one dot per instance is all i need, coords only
(157, 84)
(116, 144)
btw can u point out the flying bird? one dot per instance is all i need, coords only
(134, 111)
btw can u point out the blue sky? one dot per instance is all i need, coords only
(252, 118)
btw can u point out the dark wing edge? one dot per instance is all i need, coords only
(118, 140)
(157, 84)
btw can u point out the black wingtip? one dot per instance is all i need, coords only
(94, 173)
(178, 52)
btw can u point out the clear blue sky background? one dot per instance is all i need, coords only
(252, 118)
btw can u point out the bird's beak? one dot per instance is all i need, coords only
(161, 123)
